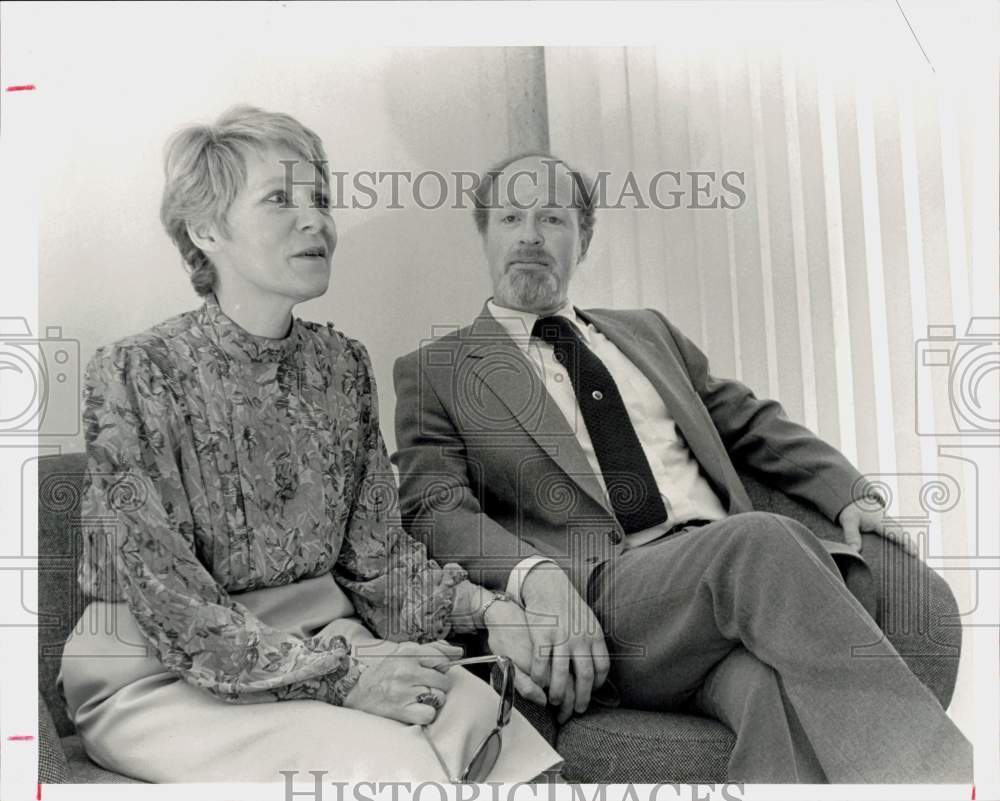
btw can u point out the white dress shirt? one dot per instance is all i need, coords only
(685, 492)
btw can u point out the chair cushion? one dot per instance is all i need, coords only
(543, 718)
(628, 745)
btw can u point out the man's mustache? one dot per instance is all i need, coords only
(530, 254)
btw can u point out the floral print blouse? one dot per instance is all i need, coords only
(221, 462)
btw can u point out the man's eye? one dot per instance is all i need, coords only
(553, 219)
(508, 218)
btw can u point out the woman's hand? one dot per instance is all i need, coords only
(403, 681)
(509, 636)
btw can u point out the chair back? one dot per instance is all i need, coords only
(60, 601)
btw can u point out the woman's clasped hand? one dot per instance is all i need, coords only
(406, 681)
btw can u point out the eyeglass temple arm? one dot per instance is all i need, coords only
(478, 660)
(440, 759)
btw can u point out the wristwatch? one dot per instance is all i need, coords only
(492, 597)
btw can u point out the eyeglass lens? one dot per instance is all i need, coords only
(502, 679)
(484, 760)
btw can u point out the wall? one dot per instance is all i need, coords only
(106, 268)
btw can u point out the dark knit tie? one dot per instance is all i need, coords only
(632, 489)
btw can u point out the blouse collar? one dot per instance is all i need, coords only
(239, 343)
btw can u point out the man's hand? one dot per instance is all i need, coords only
(509, 636)
(865, 516)
(564, 633)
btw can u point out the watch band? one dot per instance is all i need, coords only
(494, 596)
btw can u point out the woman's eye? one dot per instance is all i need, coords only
(321, 201)
(279, 196)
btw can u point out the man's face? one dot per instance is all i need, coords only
(532, 238)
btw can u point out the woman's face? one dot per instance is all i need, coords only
(281, 235)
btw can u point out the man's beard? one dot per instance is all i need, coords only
(533, 289)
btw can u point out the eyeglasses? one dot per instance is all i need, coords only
(486, 755)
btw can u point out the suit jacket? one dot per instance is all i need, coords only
(490, 470)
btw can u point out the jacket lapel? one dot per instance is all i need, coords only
(671, 381)
(499, 365)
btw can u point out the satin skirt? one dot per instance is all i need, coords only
(136, 718)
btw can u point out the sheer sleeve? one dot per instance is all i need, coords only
(399, 592)
(141, 543)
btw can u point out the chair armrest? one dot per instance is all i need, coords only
(915, 606)
(918, 613)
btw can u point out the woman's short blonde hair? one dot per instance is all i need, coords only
(205, 169)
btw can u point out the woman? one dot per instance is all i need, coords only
(241, 526)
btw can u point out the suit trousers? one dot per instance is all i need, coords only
(748, 620)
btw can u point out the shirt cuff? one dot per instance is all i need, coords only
(520, 572)
(342, 687)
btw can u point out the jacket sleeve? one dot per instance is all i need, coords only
(141, 545)
(437, 485)
(397, 590)
(759, 437)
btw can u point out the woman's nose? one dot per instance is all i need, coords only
(318, 221)
(313, 218)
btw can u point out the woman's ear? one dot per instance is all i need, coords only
(205, 235)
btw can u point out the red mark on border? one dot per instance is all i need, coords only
(38, 794)
(973, 792)
(27, 87)
(22, 737)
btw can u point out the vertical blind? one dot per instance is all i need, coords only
(870, 180)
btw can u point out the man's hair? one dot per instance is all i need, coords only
(205, 169)
(584, 196)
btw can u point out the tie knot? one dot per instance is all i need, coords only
(554, 330)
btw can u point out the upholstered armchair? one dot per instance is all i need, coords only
(914, 606)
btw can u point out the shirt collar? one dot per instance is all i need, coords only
(237, 342)
(518, 324)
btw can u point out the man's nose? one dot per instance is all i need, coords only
(530, 233)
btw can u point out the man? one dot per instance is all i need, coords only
(584, 460)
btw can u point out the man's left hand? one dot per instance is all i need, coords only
(859, 516)
(509, 636)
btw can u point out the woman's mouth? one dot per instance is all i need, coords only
(311, 253)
